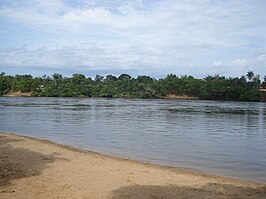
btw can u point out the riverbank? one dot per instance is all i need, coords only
(244, 88)
(167, 97)
(18, 94)
(32, 168)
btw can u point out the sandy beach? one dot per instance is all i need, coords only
(32, 168)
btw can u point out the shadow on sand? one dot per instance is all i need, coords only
(211, 190)
(19, 162)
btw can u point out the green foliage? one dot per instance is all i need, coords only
(244, 88)
(5, 84)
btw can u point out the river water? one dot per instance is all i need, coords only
(221, 138)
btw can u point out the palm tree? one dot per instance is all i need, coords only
(250, 75)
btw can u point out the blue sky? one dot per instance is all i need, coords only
(136, 37)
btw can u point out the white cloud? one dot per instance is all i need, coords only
(262, 58)
(142, 35)
(92, 56)
(240, 62)
(218, 63)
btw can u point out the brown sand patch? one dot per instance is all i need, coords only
(31, 168)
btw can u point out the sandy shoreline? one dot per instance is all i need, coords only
(32, 168)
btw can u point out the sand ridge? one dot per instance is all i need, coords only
(32, 168)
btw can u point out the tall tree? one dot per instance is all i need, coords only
(250, 75)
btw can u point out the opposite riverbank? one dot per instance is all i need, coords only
(247, 88)
(168, 97)
(32, 168)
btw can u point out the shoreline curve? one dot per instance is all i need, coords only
(41, 167)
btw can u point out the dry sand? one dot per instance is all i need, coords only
(18, 94)
(31, 168)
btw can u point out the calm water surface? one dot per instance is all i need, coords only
(222, 138)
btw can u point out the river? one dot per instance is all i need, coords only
(217, 137)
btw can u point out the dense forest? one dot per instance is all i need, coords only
(244, 88)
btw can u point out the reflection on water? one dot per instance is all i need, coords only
(223, 138)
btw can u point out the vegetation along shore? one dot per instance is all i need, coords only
(248, 87)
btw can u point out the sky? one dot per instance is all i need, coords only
(137, 37)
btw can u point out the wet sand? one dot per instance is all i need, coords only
(32, 168)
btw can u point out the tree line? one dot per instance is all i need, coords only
(244, 88)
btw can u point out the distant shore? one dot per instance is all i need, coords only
(18, 94)
(33, 168)
(169, 96)
(248, 88)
